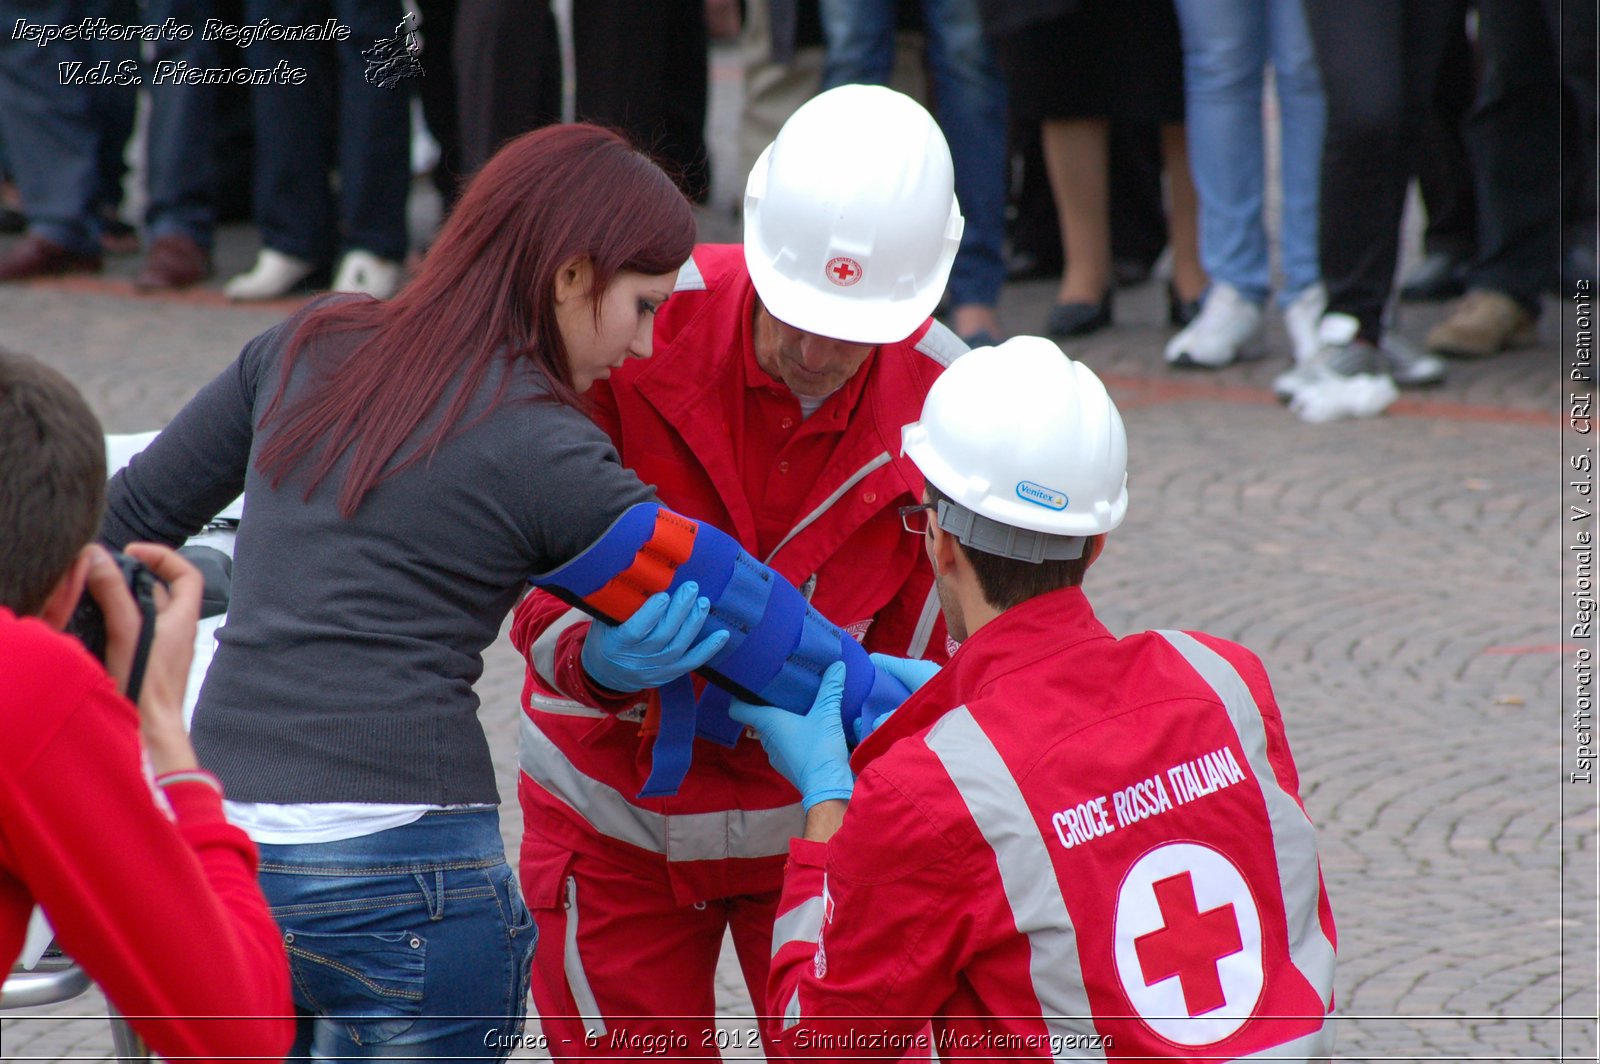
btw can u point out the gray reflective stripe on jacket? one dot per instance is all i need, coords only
(1003, 818)
(1294, 842)
(572, 967)
(542, 656)
(925, 622)
(803, 923)
(677, 837)
(941, 344)
(690, 279)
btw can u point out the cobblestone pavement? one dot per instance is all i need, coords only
(1403, 578)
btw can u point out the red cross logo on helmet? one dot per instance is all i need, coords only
(842, 271)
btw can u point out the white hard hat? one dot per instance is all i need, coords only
(850, 216)
(1023, 437)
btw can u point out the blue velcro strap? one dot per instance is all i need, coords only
(739, 610)
(778, 648)
(711, 720)
(768, 643)
(674, 745)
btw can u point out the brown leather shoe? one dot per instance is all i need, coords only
(34, 256)
(1482, 324)
(173, 261)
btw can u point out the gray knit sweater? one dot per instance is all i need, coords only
(345, 670)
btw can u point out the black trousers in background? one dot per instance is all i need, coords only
(1574, 23)
(641, 66)
(1444, 171)
(437, 91)
(508, 74)
(1514, 136)
(1379, 60)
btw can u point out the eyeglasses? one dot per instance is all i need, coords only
(914, 519)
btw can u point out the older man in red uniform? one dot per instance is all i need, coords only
(1063, 845)
(771, 408)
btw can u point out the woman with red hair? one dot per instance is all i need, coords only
(406, 466)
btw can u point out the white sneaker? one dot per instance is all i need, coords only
(1227, 328)
(1300, 318)
(1409, 366)
(273, 276)
(362, 271)
(1339, 356)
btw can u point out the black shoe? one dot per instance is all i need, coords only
(1180, 312)
(1079, 319)
(1436, 278)
(12, 221)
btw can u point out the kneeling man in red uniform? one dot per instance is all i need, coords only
(1063, 844)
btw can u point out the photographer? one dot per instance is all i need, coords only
(145, 883)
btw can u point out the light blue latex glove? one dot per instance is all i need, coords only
(655, 645)
(912, 672)
(808, 751)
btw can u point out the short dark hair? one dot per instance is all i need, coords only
(52, 480)
(1008, 582)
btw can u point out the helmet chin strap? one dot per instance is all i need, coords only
(977, 532)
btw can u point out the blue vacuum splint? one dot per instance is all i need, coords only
(778, 646)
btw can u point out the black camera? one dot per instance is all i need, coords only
(88, 623)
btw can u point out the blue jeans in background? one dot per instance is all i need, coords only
(179, 157)
(299, 142)
(51, 136)
(1226, 47)
(970, 97)
(410, 942)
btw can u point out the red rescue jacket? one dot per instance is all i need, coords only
(1066, 845)
(688, 420)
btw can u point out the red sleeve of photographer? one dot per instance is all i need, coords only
(157, 900)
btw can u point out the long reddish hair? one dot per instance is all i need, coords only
(485, 291)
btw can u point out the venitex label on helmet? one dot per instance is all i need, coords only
(1040, 495)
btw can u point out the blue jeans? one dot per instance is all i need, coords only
(113, 107)
(410, 942)
(971, 109)
(181, 160)
(1226, 47)
(299, 143)
(50, 130)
